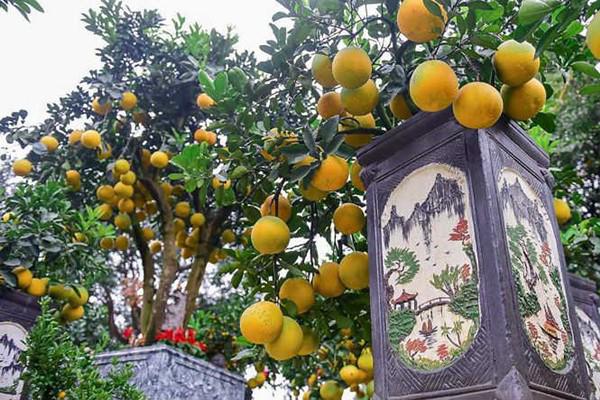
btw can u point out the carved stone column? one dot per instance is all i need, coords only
(469, 294)
(18, 312)
(586, 307)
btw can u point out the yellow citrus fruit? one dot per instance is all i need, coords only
(122, 221)
(592, 39)
(217, 183)
(183, 209)
(107, 243)
(351, 67)
(128, 101)
(38, 287)
(101, 108)
(140, 215)
(287, 344)
(417, 23)
(311, 193)
(330, 390)
(187, 252)
(155, 246)
(361, 100)
(321, 71)
(355, 176)
(515, 62)
(72, 177)
(147, 234)
(123, 191)
(327, 282)
(197, 219)
(350, 374)
(204, 101)
(75, 137)
(24, 277)
(478, 105)
(62, 394)
(262, 322)
(58, 291)
(525, 101)
(128, 178)
(166, 188)
(433, 86)
(270, 235)
(329, 105)
(260, 378)
(282, 208)
(126, 205)
(348, 218)
(105, 193)
(79, 297)
(252, 383)
(310, 342)
(331, 175)
(122, 242)
(105, 211)
(365, 361)
(300, 292)
(205, 136)
(50, 143)
(90, 139)
(354, 270)
(357, 139)
(151, 207)
(22, 167)
(562, 211)
(70, 313)
(228, 236)
(6, 217)
(159, 159)
(122, 166)
(399, 107)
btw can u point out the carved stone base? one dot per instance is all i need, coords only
(164, 373)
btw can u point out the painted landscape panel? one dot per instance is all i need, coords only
(430, 268)
(535, 265)
(12, 337)
(590, 338)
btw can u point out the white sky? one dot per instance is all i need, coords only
(44, 59)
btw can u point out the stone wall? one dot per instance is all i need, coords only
(164, 373)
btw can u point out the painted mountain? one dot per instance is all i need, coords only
(430, 268)
(535, 265)
(590, 338)
(11, 345)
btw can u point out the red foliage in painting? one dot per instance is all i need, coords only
(545, 254)
(532, 330)
(460, 233)
(414, 346)
(442, 351)
(465, 272)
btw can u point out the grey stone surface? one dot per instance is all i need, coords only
(164, 373)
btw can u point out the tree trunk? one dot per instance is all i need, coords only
(194, 283)
(148, 269)
(170, 263)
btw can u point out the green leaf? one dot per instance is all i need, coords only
(328, 130)
(237, 278)
(590, 89)
(221, 83)
(532, 11)
(309, 140)
(586, 68)
(546, 120)
(433, 7)
(206, 83)
(299, 173)
(238, 172)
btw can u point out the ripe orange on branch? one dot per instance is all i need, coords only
(525, 101)
(478, 105)
(352, 67)
(279, 208)
(515, 62)
(433, 86)
(262, 322)
(361, 100)
(331, 175)
(417, 23)
(321, 71)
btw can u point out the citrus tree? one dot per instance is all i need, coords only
(201, 155)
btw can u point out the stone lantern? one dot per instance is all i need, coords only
(586, 308)
(464, 219)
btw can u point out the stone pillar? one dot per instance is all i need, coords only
(463, 219)
(18, 312)
(586, 307)
(164, 373)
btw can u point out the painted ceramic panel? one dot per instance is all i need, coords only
(12, 338)
(432, 285)
(590, 338)
(535, 265)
